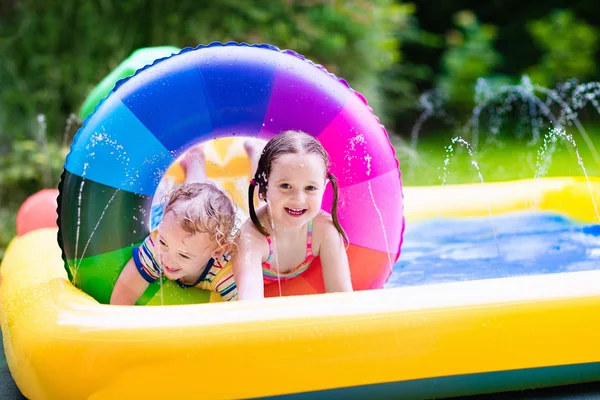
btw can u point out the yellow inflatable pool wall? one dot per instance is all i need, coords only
(413, 342)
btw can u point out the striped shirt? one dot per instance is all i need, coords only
(217, 276)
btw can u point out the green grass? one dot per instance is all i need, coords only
(502, 160)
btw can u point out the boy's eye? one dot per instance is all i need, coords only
(184, 256)
(162, 243)
(285, 186)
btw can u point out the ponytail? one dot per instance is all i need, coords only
(334, 213)
(251, 209)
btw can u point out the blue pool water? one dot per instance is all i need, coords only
(448, 250)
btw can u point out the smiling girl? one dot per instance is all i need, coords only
(292, 174)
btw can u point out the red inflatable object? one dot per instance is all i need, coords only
(38, 211)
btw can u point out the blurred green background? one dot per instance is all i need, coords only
(431, 70)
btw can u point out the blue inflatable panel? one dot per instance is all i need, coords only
(117, 150)
(172, 102)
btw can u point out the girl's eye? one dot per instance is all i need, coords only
(162, 243)
(184, 256)
(311, 188)
(285, 186)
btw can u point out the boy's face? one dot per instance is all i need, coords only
(182, 254)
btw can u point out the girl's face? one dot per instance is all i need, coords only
(295, 189)
(182, 254)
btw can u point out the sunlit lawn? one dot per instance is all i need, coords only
(504, 159)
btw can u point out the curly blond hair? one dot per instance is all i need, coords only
(204, 208)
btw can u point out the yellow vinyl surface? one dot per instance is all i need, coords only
(62, 344)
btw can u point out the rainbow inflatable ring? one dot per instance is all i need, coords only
(222, 90)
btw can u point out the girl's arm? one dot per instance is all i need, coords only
(129, 287)
(334, 260)
(247, 266)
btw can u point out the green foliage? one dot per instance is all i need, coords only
(55, 52)
(470, 55)
(8, 228)
(29, 167)
(400, 82)
(569, 45)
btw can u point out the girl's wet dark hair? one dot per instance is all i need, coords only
(290, 142)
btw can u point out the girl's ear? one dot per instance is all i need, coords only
(262, 195)
(222, 250)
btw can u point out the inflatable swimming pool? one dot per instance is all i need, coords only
(211, 92)
(422, 341)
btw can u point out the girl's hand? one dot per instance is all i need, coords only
(129, 287)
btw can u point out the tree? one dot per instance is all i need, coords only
(470, 55)
(569, 45)
(55, 51)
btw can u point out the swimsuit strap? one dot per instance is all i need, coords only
(309, 233)
(267, 264)
(309, 255)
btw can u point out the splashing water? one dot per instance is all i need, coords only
(569, 115)
(534, 104)
(350, 152)
(357, 140)
(77, 231)
(449, 154)
(466, 144)
(504, 100)
(387, 246)
(274, 242)
(431, 103)
(99, 139)
(43, 142)
(68, 125)
(428, 103)
(584, 93)
(553, 133)
(94, 231)
(544, 155)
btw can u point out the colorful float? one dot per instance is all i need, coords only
(124, 148)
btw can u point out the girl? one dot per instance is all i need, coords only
(282, 238)
(189, 246)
